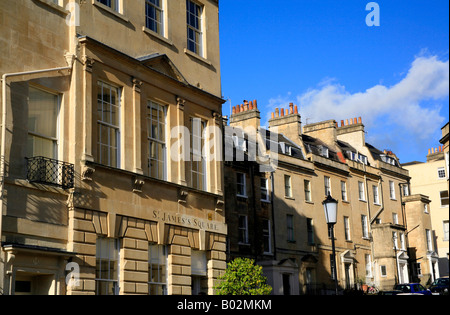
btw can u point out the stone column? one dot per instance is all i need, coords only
(87, 109)
(137, 161)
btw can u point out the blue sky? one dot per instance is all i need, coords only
(321, 55)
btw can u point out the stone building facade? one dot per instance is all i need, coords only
(315, 160)
(95, 95)
(430, 178)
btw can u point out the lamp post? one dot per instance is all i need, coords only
(330, 208)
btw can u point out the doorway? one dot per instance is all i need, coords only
(27, 283)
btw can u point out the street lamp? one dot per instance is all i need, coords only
(330, 208)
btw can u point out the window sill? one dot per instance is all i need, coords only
(198, 57)
(157, 36)
(110, 11)
(55, 6)
(289, 197)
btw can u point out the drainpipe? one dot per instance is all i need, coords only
(69, 59)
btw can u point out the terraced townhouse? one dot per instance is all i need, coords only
(277, 217)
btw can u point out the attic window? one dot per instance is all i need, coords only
(357, 157)
(388, 159)
(323, 151)
(286, 148)
(240, 143)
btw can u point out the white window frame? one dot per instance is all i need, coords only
(108, 125)
(101, 241)
(392, 190)
(441, 173)
(361, 191)
(197, 144)
(405, 190)
(327, 185)
(364, 226)
(265, 189)
(267, 235)
(197, 30)
(157, 139)
(344, 190)
(114, 5)
(161, 262)
(429, 239)
(402, 241)
(395, 239)
(445, 225)
(395, 218)
(55, 140)
(287, 186)
(347, 231)
(160, 11)
(243, 229)
(241, 185)
(376, 195)
(307, 188)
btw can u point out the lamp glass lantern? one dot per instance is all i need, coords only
(330, 208)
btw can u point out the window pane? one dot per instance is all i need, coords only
(444, 198)
(42, 123)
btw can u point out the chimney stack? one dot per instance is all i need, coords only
(246, 114)
(288, 122)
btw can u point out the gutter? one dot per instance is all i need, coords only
(70, 60)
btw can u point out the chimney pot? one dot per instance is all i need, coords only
(291, 108)
(250, 106)
(440, 148)
(273, 115)
(355, 121)
(360, 120)
(342, 123)
(296, 109)
(242, 108)
(282, 112)
(346, 122)
(255, 104)
(277, 112)
(234, 110)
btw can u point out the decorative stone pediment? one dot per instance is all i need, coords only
(162, 64)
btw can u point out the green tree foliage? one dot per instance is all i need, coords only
(243, 277)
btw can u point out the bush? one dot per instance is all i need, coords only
(243, 277)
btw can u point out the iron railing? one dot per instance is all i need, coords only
(48, 171)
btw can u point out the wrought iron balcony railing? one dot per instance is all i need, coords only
(51, 172)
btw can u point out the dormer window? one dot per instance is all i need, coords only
(388, 159)
(323, 151)
(286, 148)
(357, 157)
(240, 143)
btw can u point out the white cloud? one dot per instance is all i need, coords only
(412, 105)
